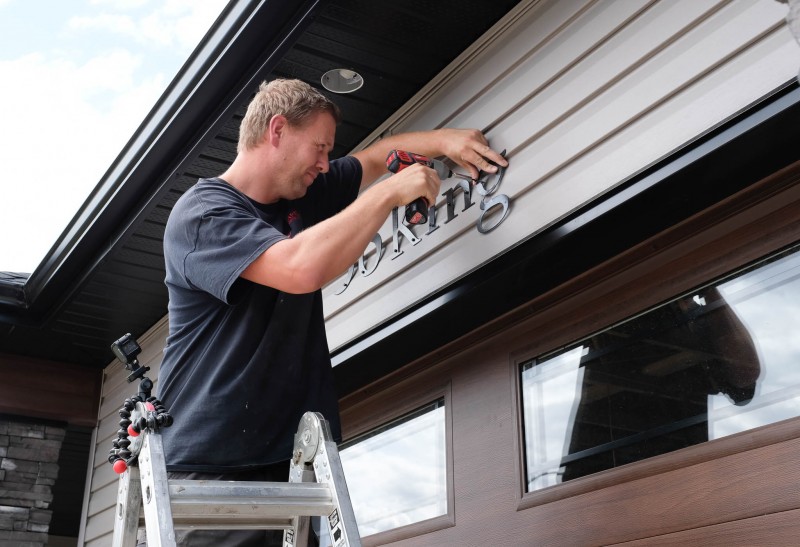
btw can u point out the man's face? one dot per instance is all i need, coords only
(305, 152)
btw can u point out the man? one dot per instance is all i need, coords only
(246, 255)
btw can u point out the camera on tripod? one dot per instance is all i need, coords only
(139, 413)
(126, 349)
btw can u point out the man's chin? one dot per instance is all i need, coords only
(299, 192)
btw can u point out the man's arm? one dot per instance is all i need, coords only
(319, 254)
(322, 252)
(468, 148)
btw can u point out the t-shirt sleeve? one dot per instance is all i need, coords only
(214, 233)
(222, 235)
(334, 190)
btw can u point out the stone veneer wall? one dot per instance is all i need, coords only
(28, 470)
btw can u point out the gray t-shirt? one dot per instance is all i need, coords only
(243, 361)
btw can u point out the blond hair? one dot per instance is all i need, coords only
(294, 99)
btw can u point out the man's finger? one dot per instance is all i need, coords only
(494, 156)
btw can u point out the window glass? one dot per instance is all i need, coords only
(720, 360)
(397, 473)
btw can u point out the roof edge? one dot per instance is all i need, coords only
(191, 99)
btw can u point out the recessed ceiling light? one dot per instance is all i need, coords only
(342, 80)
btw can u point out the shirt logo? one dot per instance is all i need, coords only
(295, 222)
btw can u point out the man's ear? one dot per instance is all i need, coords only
(277, 128)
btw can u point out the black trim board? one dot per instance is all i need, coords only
(734, 156)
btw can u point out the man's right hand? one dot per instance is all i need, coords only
(413, 182)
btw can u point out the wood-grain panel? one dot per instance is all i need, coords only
(49, 390)
(741, 483)
(736, 487)
(775, 529)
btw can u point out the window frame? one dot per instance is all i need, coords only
(382, 409)
(743, 229)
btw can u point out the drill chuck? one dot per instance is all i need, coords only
(441, 169)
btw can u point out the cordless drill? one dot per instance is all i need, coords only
(397, 160)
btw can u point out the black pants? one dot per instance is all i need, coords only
(278, 472)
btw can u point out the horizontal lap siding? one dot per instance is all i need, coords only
(583, 95)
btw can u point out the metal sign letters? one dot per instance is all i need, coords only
(494, 209)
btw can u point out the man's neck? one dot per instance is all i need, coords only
(251, 178)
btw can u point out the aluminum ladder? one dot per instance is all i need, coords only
(316, 487)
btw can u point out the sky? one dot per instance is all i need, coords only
(77, 77)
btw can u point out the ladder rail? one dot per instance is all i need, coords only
(129, 501)
(342, 522)
(316, 455)
(155, 493)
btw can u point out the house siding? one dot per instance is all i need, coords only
(583, 96)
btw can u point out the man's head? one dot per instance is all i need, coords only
(297, 101)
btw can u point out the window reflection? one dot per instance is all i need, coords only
(715, 362)
(397, 475)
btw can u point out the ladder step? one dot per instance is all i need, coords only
(233, 505)
(147, 498)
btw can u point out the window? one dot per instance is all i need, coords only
(396, 474)
(717, 361)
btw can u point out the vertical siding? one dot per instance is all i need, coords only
(583, 95)
(98, 524)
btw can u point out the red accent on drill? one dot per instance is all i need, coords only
(396, 161)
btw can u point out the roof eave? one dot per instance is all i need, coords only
(209, 83)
